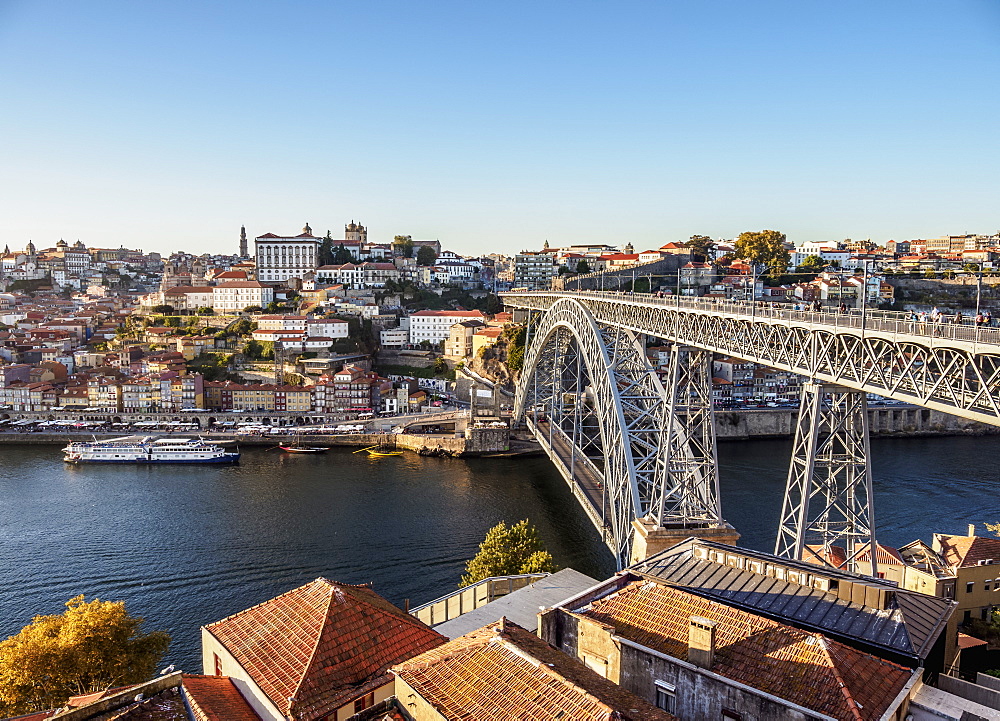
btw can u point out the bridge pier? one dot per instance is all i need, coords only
(690, 503)
(828, 496)
(649, 538)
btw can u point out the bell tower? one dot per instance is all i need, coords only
(243, 242)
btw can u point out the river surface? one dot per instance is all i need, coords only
(185, 546)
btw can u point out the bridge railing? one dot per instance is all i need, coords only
(892, 322)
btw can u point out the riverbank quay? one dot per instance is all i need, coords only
(488, 442)
(883, 422)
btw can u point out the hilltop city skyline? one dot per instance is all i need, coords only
(494, 128)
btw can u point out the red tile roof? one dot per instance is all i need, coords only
(503, 672)
(966, 641)
(805, 668)
(315, 648)
(215, 698)
(965, 551)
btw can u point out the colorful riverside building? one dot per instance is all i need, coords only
(229, 396)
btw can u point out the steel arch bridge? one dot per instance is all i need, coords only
(633, 449)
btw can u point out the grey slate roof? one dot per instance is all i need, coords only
(909, 626)
(522, 605)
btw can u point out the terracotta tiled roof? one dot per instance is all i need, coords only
(965, 551)
(503, 672)
(966, 641)
(215, 698)
(313, 649)
(805, 668)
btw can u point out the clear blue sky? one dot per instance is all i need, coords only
(495, 126)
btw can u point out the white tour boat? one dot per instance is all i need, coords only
(143, 449)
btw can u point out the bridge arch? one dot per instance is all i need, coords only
(628, 401)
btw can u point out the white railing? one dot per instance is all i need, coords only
(472, 597)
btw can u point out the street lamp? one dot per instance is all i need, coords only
(979, 294)
(864, 295)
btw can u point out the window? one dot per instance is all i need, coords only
(666, 696)
(218, 664)
(728, 715)
(969, 586)
(364, 702)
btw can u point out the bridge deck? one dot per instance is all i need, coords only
(951, 367)
(584, 479)
(890, 323)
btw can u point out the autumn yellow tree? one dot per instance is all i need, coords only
(765, 248)
(508, 552)
(92, 646)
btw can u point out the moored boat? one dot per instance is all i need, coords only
(143, 449)
(380, 451)
(303, 449)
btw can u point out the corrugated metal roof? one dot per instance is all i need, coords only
(909, 626)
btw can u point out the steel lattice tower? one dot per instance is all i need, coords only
(691, 493)
(828, 498)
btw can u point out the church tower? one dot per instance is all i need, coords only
(243, 242)
(356, 232)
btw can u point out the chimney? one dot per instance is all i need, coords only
(701, 642)
(972, 530)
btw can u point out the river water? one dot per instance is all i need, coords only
(185, 546)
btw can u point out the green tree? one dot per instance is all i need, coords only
(325, 253)
(342, 255)
(563, 269)
(426, 255)
(440, 366)
(205, 310)
(702, 248)
(766, 248)
(403, 245)
(508, 552)
(162, 309)
(583, 266)
(515, 337)
(243, 326)
(811, 264)
(492, 305)
(253, 309)
(90, 647)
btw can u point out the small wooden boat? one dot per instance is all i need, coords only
(303, 449)
(296, 447)
(379, 451)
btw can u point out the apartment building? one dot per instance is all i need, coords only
(533, 270)
(435, 325)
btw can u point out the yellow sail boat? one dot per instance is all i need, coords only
(379, 451)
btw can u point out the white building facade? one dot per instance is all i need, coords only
(237, 295)
(435, 325)
(282, 257)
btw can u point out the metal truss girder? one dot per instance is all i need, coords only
(828, 497)
(628, 402)
(954, 376)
